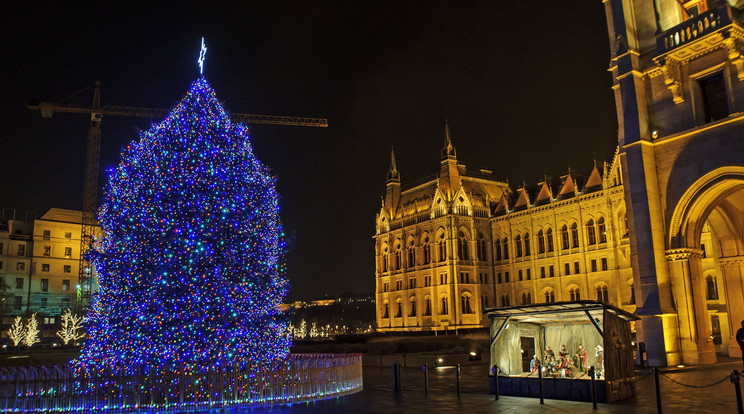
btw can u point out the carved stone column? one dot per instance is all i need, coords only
(732, 270)
(688, 287)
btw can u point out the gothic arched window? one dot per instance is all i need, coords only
(564, 237)
(591, 233)
(540, 242)
(518, 246)
(574, 235)
(602, 230)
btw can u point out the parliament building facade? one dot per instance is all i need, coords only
(658, 231)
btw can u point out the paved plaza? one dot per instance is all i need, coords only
(378, 397)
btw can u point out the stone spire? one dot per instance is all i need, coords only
(393, 174)
(449, 173)
(449, 150)
(392, 191)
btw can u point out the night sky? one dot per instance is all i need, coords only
(524, 86)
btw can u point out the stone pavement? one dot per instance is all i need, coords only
(378, 397)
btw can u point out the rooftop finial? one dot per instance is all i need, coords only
(449, 150)
(393, 166)
(202, 53)
(393, 174)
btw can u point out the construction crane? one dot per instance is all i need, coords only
(90, 187)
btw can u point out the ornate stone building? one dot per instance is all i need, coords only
(677, 69)
(452, 246)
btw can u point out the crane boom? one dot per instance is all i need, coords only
(49, 108)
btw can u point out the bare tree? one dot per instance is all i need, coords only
(71, 324)
(32, 331)
(17, 332)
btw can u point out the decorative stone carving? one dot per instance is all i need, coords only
(684, 253)
(673, 78)
(735, 47)
(731, 261)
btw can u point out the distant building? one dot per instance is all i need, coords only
(39, 262)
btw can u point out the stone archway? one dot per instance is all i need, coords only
(706, 264)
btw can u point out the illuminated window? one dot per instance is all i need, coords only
(68, 252)
(45, 267)
(65, 284)
(47, 251)
(67, 268)
(602, 230)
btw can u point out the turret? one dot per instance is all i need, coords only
(449, 174)
(392, 193)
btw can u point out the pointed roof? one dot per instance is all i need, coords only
(569, 187)
(501, 207)
(545, 195)
(449, 150)
(595, 180)
(523, 199)
(393, 174)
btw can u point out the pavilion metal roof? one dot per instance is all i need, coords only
(557, 310)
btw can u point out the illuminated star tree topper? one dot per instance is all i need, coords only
(202, 56)
(191, 262)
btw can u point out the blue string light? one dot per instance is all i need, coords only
(190, 266)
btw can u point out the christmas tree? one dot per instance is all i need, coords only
(190, 265)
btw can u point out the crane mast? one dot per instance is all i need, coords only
(90, 186)
(90, 198)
